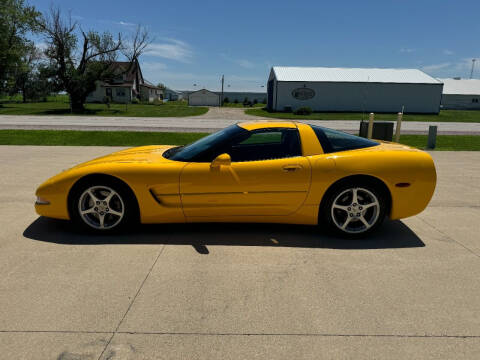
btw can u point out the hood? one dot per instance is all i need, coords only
(141, 154)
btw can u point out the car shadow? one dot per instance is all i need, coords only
(392, 234)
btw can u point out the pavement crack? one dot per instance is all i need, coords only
(297, 334)
(169, 333)
(449, 237)
(133, 300)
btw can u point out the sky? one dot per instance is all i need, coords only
(196, 42)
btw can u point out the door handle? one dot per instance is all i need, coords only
(292, 168)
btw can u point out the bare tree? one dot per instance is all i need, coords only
(77, 68)
(135, 46)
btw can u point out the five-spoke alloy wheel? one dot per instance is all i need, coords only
(355, 209)
(103, 205)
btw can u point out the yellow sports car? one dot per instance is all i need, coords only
(274, 172)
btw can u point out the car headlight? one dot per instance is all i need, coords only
(42, 201)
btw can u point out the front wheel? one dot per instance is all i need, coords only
(102, 207)
(355, 209)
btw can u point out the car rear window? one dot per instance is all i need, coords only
(334, 141)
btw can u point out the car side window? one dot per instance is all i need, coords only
(265, 144)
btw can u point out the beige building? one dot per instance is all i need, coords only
(127, 83)
(203, 97)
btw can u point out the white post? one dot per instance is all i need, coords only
(399, 127)
(370, 125)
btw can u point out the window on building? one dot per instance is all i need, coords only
(120, 92)
(475, 100)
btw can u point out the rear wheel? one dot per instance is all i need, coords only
(354, 209)
(103, 206)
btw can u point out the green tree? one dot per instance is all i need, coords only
(32, 77)
(77, 64)
(17, 20)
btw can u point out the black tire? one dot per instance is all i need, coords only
(92, 195)
(344, 212)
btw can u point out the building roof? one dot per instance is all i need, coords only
(203, 92)
(461, 86)
(149, 85)
(124, 67)
(373, 75)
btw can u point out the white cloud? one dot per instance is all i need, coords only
(124, 23)
(448, 52)
(150, 67)
(406, 50)
(461, 68)
(435, 67)
(245, 64)
(170, 49)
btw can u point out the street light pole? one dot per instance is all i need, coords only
(473, 66)
(223, 80)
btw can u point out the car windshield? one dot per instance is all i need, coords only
(195, 150)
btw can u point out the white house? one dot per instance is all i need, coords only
(126, 83)
(353, 89)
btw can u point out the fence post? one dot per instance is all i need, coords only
(399, 127)
(370, 125)
(432, 137)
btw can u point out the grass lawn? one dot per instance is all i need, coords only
(169, 109)
(95, 138)
(240, 105)
(445, 115)
(126, 138)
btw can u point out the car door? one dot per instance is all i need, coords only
(267, 176)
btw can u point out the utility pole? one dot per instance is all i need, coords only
(473, 65)
(223, 80)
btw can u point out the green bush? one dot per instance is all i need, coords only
(135, 101)
(304, 110)
(226, 100)
(235, 101)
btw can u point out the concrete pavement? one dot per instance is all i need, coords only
(206, 123)
(238, 291)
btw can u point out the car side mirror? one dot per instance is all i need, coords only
(222, 159)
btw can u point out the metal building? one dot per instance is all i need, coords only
(461, 94)
(203, 97)
(353, 89)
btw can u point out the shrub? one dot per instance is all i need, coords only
(255, 102)
(265, 101)
(157, 102)
(235, 101)
(245, 101)
(305, 110)
(226, 100)
(135, 101)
